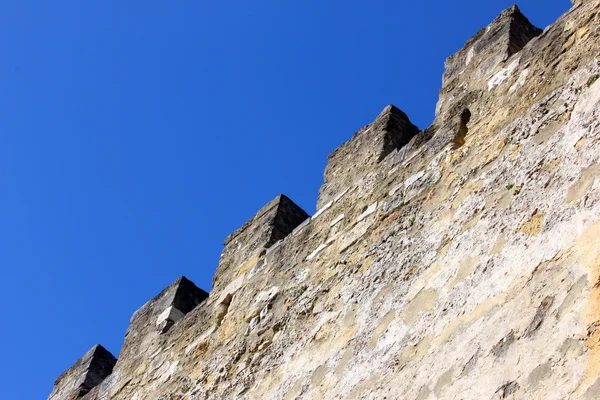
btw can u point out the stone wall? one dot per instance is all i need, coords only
(350, 162)
(87, 372)
(466, 77)
(273, 222)
(462, 265)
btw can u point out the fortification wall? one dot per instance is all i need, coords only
(461, 265)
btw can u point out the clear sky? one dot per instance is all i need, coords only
(136, 135)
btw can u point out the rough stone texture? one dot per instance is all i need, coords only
(369, 146)
(88, 372)
(455, 269)
(158, 316)
(466, 75)
(273, 222)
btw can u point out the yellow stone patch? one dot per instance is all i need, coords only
(295, 390)
(471, 223)
(318, 375)
(248, 264)
(366, 264)
(480, 311)
(499, 244)
(383, 325)
(586, 249)
(417, 352)
(456, 156)
(346, 358)
(581, 33)
(140, 369)
(348, 336)
(365, 386)
(469, 188)
(443, 249)
(533, 227)
(424, 301)
(546, 132)
(499, 118)
(514, 151)
(581, 143)
(492, 152)
(552, 165)
(498, 197)
(449, 179)
(327, 331)
(583, 184)
(466, 268)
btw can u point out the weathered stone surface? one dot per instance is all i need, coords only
(159, 314)
(88, 372)
(369, 146)
(468, 73)
(273, 222)
(461, 269)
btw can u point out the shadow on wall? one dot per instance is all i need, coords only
(463, 129)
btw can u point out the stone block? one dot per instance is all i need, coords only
(467, 75)
(275, 221)
(337, 220)
(370, 210)
(158, 315)
(87, 372)
(478, 60)
(169, 306)
(360, 155)
(167, 318)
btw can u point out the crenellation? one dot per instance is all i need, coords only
(273, 222)
(391, 130)
(158, 316)
(421, 239)
(470, 72)
(87, 373)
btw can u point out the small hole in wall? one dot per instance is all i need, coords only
(463, 129)
(223, 308)
(227, 300)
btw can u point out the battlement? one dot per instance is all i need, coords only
(394, 207)
(468, 70)
(87, 372)
(467, 75)
(390, 131)
(158, 315)
(272, 222)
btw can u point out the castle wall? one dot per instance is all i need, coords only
(350, 162)
(273, 222)
(87, 373)
(444, 271)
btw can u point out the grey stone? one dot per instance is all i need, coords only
(539, 316)
(368, 147)
(507, 390)
(353, 311)
(504, 344)
(593, 392)
(273, 222)
(87, 372)
(160, 314)
(466, 73)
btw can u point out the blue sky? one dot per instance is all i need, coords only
(136, 135)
